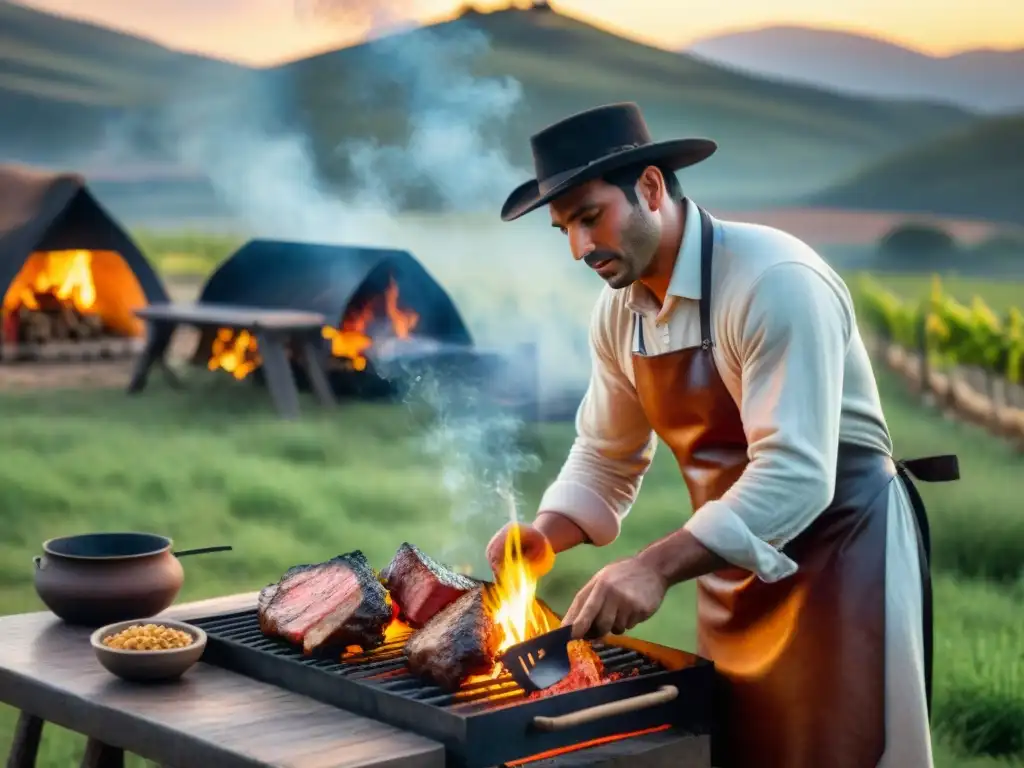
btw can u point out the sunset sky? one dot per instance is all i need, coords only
(268, 31)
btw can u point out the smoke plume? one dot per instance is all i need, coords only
(511, 283)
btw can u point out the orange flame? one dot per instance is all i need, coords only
(238, 354)
(234, 352)
(68, 276)
(351, 340)
(512, 600)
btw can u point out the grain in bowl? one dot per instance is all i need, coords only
(148, 637)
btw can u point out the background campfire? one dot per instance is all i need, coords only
(70, 276)
(71, 296)
(375, 320)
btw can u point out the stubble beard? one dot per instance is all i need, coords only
(640, 239)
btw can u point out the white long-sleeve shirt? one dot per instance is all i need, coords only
(787, 348)
(790, 354)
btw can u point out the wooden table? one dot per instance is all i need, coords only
(274, 329)
(212, 717)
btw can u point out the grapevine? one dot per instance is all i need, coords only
(954, 334)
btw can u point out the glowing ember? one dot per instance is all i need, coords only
(234, 352)
(352, 339)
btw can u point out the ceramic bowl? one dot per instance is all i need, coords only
(148, 666)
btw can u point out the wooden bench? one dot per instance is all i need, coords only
(274, 330)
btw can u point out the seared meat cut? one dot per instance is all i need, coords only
(421, 586)
(327, 605)
(459, 642)
(585, 671)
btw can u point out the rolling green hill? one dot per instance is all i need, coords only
(977, 171)
(67, 87)
(63, 83)
(774, 138)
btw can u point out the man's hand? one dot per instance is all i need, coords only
(616, 599)
(550, 533)
(535, 549)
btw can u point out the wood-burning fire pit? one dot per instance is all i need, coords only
(387, 316)
(70, 277)
(377, 301)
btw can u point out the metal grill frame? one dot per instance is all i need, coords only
(475, 734)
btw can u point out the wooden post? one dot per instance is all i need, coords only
(925, 368)
(277, 370)
(100, 755)
(25, 745)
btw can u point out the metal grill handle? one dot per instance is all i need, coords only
(664, 694)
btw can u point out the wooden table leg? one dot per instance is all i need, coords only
(100, 755)
(316, 373)
(157, 341)
(25, 745)
(277, 371)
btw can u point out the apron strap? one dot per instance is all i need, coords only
(932, 469)
(929, 469)
(707, 246)
(638, 324)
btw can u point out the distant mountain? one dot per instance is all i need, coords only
(976, 172)
(982, 80)
(73, 94)
(63, 83)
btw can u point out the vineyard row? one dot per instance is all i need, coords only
(965, 358)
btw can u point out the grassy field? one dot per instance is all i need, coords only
(216, 467)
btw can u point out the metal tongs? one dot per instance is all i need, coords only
(540, 662)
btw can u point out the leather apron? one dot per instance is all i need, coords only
(802, 660)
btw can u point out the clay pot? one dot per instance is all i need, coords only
(101, 578)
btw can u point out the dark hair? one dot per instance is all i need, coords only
(627, 177)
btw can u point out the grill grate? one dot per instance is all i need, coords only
(488, 721)
(385, 667)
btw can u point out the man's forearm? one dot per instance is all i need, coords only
(680, 557)
(560, 530)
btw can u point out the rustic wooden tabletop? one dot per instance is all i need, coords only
(216, 717)
(210, 717)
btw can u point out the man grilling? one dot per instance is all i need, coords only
(737, 345)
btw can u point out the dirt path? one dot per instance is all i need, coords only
(104, 374)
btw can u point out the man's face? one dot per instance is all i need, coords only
(614, 237)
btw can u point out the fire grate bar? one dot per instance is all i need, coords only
(385, 667)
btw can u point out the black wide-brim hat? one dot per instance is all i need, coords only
(589, 144)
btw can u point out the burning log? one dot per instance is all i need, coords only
(57, 305)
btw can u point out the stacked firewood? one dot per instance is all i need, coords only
(54, 320)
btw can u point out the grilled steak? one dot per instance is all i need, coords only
(421, 586)
(459, 642)
(327, 605)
